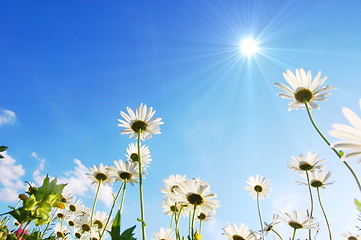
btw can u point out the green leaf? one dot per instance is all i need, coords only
(115, 232)
(1, 156)
(128, 234)
(358, 205)
(3, 148)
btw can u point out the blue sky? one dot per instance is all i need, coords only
(67, 69)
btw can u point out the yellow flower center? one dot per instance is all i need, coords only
(139, 125)
(202, 216)
(101, 176)
(316, 183)
(305, 166)
(303, 94)
(237, 237)
(258, 188)
(195, 199)
(134, 157)
(295, 225)
(60, 234)
(85, 227)
(125, 175)
(99, 223)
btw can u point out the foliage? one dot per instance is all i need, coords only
(37, 205)
(2, 149)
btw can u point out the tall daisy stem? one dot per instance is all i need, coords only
(329, 144)
(95, 203)
(324, 213)
(294, 234)
(122, 202)
(177, 233)
(192, 224)
(277, 234)
(171, 220)
(141, 189)
(311, 197)
(259, 214)
(111, 209)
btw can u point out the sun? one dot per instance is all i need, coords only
(249, 47)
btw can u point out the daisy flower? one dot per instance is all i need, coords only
(204, 217)
(302, 89)
(306, 163)
(132, 154)
(295, 221)
(67, 197)
(77, 207)
(124, 171)
(77, 232)
(83, 223)
(318, 179)
(259, 187)
(164, 234)
(241, 232)
(140, 120)
(170, 206)
(93, 234)
(60, 230)
(269, 226)
(196, 194)
(61, 214)
(100, 219)
(99, 175)
(351, 135)
(71, 219)
(171, 183)
(350, 236)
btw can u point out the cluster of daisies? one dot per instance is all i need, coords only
(192, 199)
(75, 221)
(187, 197)
(304, 92)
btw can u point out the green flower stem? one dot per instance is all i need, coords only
(294, 234)
(141, 188)
(329, 144)
(259, 214)
(122, 202)
(324, 214)
(192, 224)
(311, 197)
(177, 223)
(277, 234)
(171, 220)
(94, 203)
(111, 209)
(52, 219)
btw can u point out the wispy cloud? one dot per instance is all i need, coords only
(10, 182)
(80, 185)
(7, 117)
(76, 179)
(38, 178)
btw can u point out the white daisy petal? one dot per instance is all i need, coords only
(140, 120)
(350, 135)
(303, 89)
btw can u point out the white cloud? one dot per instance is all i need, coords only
(10, 182)
(76, 179)
(80, 185)
(7, 117)
(38, 178)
